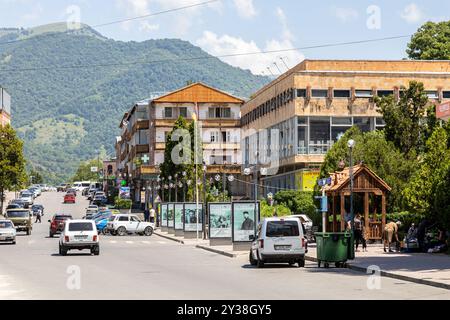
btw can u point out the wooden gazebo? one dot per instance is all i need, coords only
(365, 182)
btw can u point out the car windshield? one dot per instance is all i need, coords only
(282, 229)
(18, 214)
(63, 217)
(5, 225)
(81, 226)
(26, 194)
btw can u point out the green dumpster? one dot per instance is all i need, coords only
(334, 247)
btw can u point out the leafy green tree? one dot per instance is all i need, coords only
(35, 177)
(405, 125)
(268, 211)
(12, 162)
(421, 191)
(84, 171)
(442, 200)
(431, 42)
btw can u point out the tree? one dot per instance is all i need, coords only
(35, 177)
(84, 172)
(405, 125)
(12, 162)
(442, 201)
(299, 202)
(421, 191)
(431, 42)
(380, 155)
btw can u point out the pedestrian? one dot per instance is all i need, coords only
(391, 230)
(146, 215)
(38, 216)
(152, 215)
(359, 237)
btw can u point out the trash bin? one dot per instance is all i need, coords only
(334, 247)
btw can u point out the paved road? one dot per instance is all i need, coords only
(155, 268)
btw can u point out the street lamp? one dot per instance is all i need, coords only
(184, 191)
(176, 187)
(351, 145)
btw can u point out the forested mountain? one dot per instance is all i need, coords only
(70, 89)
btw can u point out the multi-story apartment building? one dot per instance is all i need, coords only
(140, 148)
(5, 107)
(315, 102)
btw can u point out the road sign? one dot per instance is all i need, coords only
(94, 169)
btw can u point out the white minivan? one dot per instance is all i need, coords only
(279, 240)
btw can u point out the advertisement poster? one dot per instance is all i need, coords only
(125, 193)
(164, 215)
(179, 217)
(190, 217)
(244, 221)
(170, 215)
(220, 220)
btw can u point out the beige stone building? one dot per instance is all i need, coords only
(5, 107)
(315, 102)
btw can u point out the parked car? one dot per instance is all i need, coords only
(99, 201)
(72, 191)
(27, 197)
(7, 231)
(69, 198)
(35, 208)
(123, 224)
(62, 187)
(14, 206)
(21, 218)
(307, 223)
(57, 223)
(22, 203)
(278, 240)
(79, 235)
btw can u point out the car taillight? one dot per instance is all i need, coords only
(66, 238)
(261, 244)
(94, 238)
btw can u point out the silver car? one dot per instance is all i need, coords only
(7, 231)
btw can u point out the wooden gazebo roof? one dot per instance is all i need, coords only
(364, 180)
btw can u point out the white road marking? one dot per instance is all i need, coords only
(161, 242)
(129, 242)
(113, 242)
(145, 242)
(31, 241)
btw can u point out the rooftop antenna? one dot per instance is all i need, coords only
(268, 68)
(284, 62)
(275, 64)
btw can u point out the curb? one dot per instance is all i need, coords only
(393, 275)
(224, 253)
(168, 238)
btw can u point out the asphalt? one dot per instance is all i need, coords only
(136, 267)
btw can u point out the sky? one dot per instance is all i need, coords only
(224, 27)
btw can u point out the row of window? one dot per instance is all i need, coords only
(213, 112)
(288, 96)
(270, 105)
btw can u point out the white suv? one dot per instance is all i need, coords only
(123, 224)
(79, 235)
(279, 240)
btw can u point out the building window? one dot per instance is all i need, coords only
(183, 112)
(342, 121)
(319, 93)
(385, 93)
(302, 140)
(446, 94)
(379, 122)
(226, 136)
(341, 93)
(143, 137)
(302, 120)
(362, 123)
(432, 95)
(219, 112)
(301, 93)
(214, 136)
(168, 112)
(363, 94)
(319, 132)
(166, 136)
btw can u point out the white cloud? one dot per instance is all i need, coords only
(32, 16)
(147, 26)
(345, 14)
(412, 13)
(245, 8)
(256, 63)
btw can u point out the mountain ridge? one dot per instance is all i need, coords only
(66, 115)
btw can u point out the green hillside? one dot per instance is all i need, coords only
(67, 115)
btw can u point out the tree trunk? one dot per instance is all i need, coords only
(1, 200)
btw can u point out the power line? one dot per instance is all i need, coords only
(204, 57)
(116, 21)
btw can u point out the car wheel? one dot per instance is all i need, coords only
(95, 251)
(63, 251)
(251, 259)
(121, 231)
(28, 232)
(50, 235)
(259, 262)
(148, 231)
(301, 263)
(104, 231)
(14, 242)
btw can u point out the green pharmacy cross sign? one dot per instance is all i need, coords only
(145, 159)
(123, 183)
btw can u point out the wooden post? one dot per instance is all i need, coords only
(334, 213)
(383, 212)
(366, 211)
(342, 211)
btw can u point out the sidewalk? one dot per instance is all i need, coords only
(422, 268)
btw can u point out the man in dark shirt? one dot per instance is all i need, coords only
(248, 223)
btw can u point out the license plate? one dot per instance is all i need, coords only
(81, 237)
(282, 247)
